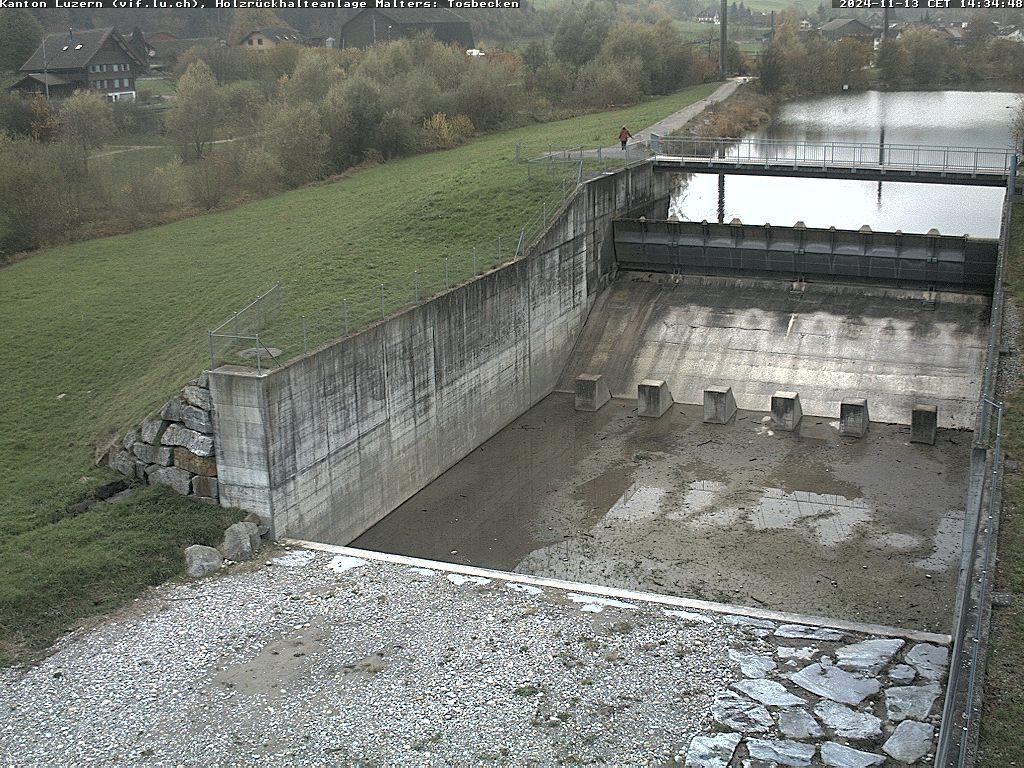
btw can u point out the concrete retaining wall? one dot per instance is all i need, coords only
(328, 445)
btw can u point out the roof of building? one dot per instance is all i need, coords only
(837, 24)
(278, 34)
(43, 79)
(73, 50)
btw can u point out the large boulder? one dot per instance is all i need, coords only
(241, 542)
(121, 461)
(205, 486)
(197, 465)
(153, 454)
(178, 479)
(200, 445)
(172, 411)
(201, 561)
(198, 420)
(153, 430)
(130, 439)
(199, 397)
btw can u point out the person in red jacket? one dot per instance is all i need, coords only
(624, 136)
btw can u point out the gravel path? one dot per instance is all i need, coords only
(378, 664)
(314, 658)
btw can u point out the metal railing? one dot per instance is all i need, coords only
(237, 339)
(547, 159)
(769, 152)
(958, 730)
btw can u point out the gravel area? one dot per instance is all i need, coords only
(313, 658)
(310, 661)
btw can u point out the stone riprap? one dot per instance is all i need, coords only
(349, 657)
(174, 447)
(824, 696)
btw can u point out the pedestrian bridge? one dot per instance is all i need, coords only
(972, 166)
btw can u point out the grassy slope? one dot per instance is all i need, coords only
(1002, 741)
(116, 325)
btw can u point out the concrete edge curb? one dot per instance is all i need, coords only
(625, 594)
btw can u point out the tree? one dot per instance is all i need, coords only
(198, 109)
(86, 121)
(313, 76)
(770, 70)
(20, 35)
(292, 136)
(580, 34)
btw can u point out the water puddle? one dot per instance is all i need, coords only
(639, 502)
(946, 544)
(830, 517)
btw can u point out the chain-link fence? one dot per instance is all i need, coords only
(269, 330)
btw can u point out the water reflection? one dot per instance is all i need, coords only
(889, 120)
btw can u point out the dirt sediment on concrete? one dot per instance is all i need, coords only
(808, 522)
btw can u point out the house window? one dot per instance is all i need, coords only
(259, 41)
(250, 41)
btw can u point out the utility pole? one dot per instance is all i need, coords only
(885, 23)
(723, 42)
(46, 70)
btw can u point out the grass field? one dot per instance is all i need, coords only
(98, 333)
(158, 86)
(1002, 740)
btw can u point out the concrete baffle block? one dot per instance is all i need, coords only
(653, 398)
(591, 392)
(923, 422)
(786, 411)
(719, 405)
(853, 417)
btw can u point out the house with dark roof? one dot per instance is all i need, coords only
(269, 37)
(379, 25)
(838, 28)
(94, 59)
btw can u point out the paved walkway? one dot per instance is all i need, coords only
(673, 122)
(677, 120)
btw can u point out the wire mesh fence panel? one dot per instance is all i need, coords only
(238, 339)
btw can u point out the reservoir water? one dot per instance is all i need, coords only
(934, 118)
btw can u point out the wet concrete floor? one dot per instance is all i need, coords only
(808, 522)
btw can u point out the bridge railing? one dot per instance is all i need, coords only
(771, 152)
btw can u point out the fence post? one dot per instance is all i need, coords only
(213, 359)
(382, 300)
(518, 153)
(416, 284)
(474, 261)
(344, 313)
(499, 249)
(259, 349)
(446, 281)
(305, 337)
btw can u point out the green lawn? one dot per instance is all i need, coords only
(1002, 740)
(158, 86)
(100, 332)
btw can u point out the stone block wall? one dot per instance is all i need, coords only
(174, 447)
